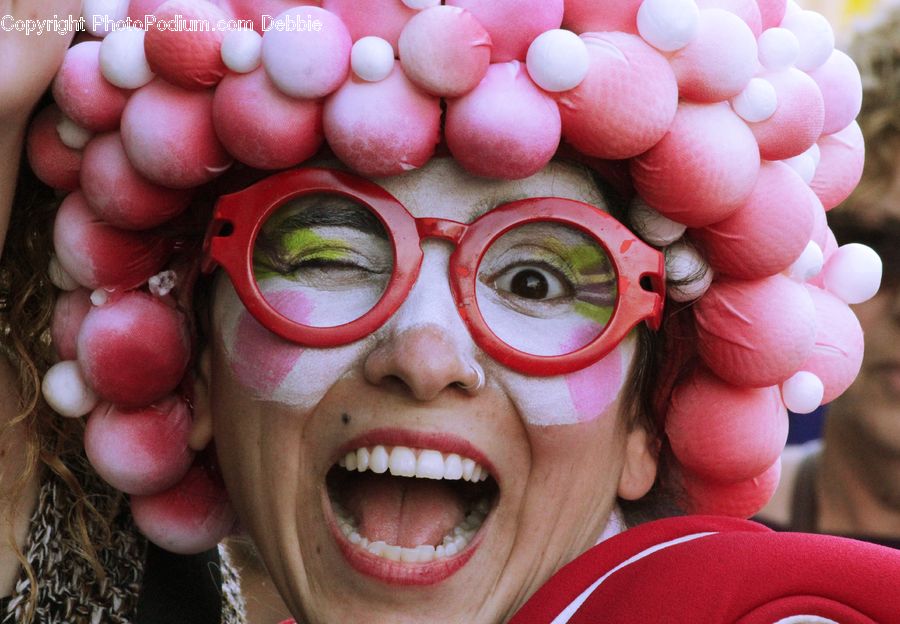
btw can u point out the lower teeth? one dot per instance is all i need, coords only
(454, 542)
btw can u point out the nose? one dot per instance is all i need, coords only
(425, 347)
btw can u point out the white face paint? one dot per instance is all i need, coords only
(557, 448)
(282, 372)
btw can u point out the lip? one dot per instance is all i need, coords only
(397, 572)
(438, 441)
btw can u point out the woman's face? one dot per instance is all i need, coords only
(556, 449)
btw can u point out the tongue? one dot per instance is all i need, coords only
(403, 511)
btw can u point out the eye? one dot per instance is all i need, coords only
(532, 282)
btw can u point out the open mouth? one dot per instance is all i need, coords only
(412, 506)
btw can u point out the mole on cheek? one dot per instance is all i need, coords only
(345, 418)
(260, 359)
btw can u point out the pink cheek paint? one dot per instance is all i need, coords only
(260, 359)
(594, 388)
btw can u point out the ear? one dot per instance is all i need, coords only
(639, 467)
(201, 433)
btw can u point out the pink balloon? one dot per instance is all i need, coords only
(820, 223)
(53, 162)
(311, 63)
(142, 451)
(190, 59)
(382, 128)
(798, 120)
(262, 127)
(841, 88)
(98, 255)
(140, 9)
(703, 169)
(68, 313)
(134, 350)
(840, 166)
(254, 10)
(169, 137)
(513, 24)
(747, 10)
(188, 518)
(504, 128)
(121, 196)
(601, 15)
(837, 355)
(742, 500)
(725, 433)
(378, 18)
(82, 92)
(768, 233)
(755, 333)
(626, 103)
(772, 12)
(719, 62)
(445, 51)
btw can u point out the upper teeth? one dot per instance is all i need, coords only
(403, 461)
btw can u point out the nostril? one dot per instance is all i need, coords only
(424, 360)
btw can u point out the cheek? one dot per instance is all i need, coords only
(259, 359)
(594, 388)
(580, 397)
(274, 369)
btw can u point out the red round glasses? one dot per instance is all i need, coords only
(637, 268)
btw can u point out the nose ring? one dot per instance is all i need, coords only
(476, 385)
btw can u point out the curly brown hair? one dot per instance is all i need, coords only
(52, 443)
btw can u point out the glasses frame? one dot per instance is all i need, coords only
(239, 217)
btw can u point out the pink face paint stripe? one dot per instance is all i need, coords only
(262, 360)
(594, 388)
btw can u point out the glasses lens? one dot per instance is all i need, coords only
(322, 260)
(546, 288)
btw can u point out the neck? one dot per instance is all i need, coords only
(857, 484)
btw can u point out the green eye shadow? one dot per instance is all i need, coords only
(278, 257)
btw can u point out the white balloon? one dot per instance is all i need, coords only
(71, 134)
(99, 297)
(815, 35)
(668, 25)
(803, 392)
(778, 48)
(557, 60)
(815, 153)
(757, 102)
(242, 50)
(59, 277)
(804, 164)
(652, 226)
(853, 273)
(421, 4)
(100, 15)
(66, 391)
(122, 59)
(809, 264)
(685, 264)
(372, 59)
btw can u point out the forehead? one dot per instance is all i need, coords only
(443, 189)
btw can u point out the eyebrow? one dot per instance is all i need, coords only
(487, 204)
(333, 211)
